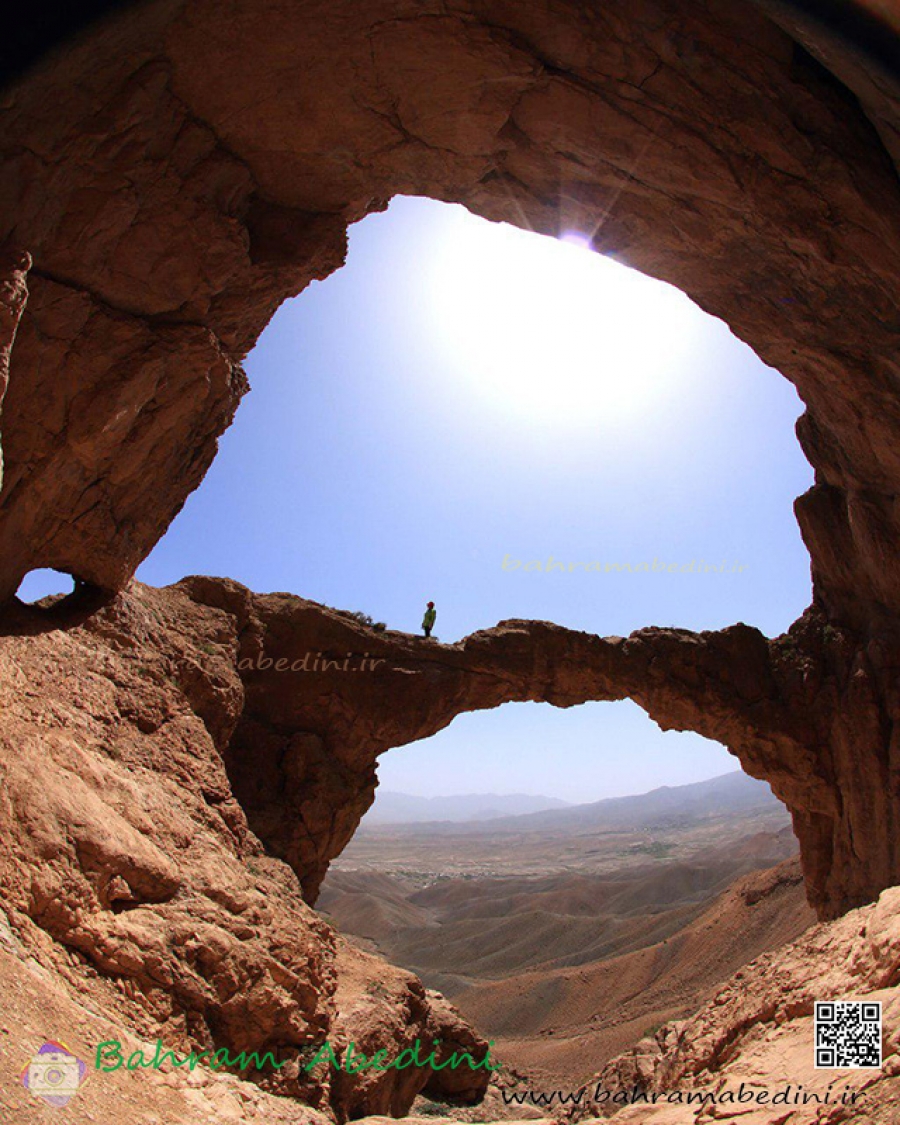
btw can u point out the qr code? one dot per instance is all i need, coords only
(848, 1034)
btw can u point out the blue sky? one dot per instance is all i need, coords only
(463, 393)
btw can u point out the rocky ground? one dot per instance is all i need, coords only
(167, 181)
(757, 1029)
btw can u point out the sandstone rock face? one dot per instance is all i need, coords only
(179, 172)
(127, 868)
(165, 184)
(135, 887)
(13, 295)
(37, 1000)
(186, 167)
(365, 1019)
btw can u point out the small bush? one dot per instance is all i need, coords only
(435, 1109)
(656, 849)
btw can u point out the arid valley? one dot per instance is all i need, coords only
(567, 934)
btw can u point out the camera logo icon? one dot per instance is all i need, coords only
(54, 1074)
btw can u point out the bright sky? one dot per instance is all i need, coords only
(464, 393)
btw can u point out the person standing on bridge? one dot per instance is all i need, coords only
(428, 619)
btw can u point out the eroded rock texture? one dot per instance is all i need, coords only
(808, 712)
(758, 1030)
(13, 295)
(127, 868)
(164, 185)
(149, 749)
(300, 701)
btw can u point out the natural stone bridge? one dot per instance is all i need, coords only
(793, 710)
(169, 180)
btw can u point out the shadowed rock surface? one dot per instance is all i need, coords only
(300, 747)
(183, 169)
(13, 295)
(137, 892)
(794, 710)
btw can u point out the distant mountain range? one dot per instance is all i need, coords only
(665, 807)
(403, 808)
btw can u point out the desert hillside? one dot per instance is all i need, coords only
(460, 904)
(555, 1023)
(566, 968)
(754, 1038)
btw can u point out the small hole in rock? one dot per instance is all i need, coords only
(44, 583)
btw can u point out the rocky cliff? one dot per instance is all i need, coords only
(300, 700)
(794, 710)
(181, 170)
(157, 750)
(129, 874)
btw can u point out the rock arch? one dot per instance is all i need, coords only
(169, 179)
(302, 754)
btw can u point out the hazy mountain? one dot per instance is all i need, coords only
(734, 792)
(665, 807)
(403, 808)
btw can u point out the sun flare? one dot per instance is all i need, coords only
(551, 331)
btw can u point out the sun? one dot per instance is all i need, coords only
(548, 330)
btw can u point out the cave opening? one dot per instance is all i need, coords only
(433, 429)
(44, 583)
(547, 437)
(427, 416)
(49, 599)
(402, 419)
(765, 198)
(562, 862)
